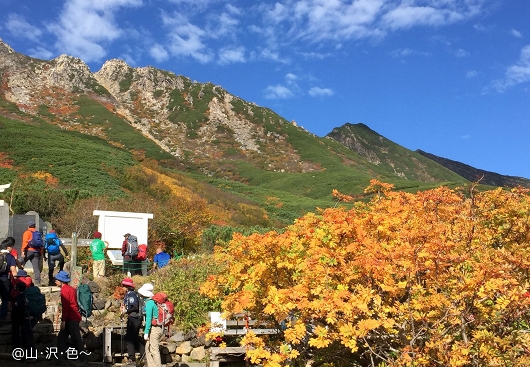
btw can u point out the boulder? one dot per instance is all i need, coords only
(177, 337)
(184, 348)
(190, 335)
(198, 354)
(171, 347)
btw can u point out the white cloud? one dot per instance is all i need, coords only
(515, 74)
(320, 92)
(273, 55)
(290, 78)
(84, 25)
(159, 53)
(19, 27)
(231, 55)
(317, 20)
(278, 92)
(186, 38)
(479, 27)
(40, 53)
(405, 16)
(461, 53)
(222, 25)
(315, 55)
(516, 33)
(471, 74)
(403, 52)
(232, 9)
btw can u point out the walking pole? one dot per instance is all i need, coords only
(121, 335)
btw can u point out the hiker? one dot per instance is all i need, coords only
(129, 251)
(161, 258)
(53, 246)
(10, 243)
(21, 328)
(152, 333)
(97, 248)
(32, 246)
(132, 309)
(36, 301)
(8, 269)
(70, 318)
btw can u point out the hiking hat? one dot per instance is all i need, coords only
(63, 276)
(31, 223)
(22, 273)
(127, 282)
(146, 290)
(97, 234)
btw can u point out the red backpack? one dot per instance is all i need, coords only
(142, 252)
(165, 310)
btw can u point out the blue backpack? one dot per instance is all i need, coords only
(52, 244)
(36, 240)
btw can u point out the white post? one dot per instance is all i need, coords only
(2, 189)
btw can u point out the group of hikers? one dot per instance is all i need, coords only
(132, 253)
(22, 298)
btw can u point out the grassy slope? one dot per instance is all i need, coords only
(78, 161)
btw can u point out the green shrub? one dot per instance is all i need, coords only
(181, 280)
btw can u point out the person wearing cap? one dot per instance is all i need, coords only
(8, 271)
(31, 254)
(70, 317)
(54, 256)
(97, 248)
(132, 308)
(10, 243)
(152, 333)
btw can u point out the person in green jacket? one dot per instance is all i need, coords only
(152, 333)
(97, 248)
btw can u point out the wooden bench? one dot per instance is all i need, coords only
(239, 324)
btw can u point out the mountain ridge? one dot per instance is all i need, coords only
(202, 128)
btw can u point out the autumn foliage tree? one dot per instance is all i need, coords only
(437, 278)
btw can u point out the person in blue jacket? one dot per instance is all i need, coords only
(161, 258)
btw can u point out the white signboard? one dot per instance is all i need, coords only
(113, 225)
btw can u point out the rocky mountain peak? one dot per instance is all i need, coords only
(114, 69)
(5, 48)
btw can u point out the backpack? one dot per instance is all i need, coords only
(165, 310)
(36, 302)
(132, 246)
(132, 302)
(3, 263)
(84, 300)
(36, 240)
(142, 252)
(52, 244)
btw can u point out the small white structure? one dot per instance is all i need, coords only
(113, 225)
(2, 189)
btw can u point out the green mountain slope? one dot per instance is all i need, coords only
(390, 156)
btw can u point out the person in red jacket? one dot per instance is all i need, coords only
(70, 318)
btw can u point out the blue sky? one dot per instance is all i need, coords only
(450, 77)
